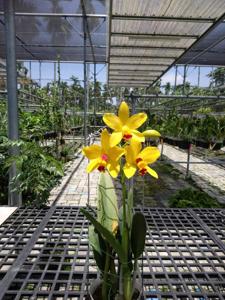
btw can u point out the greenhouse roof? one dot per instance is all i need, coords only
(149, 36)
(51, 30)
(144, 39)
(209, 50)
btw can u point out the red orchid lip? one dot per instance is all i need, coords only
(138, 160)
(101, 169)
(127, 136)
(143, 171)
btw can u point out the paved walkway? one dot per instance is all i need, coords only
(73, 189)
(207, 176)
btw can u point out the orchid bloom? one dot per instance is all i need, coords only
(103, 157)
(137, 159)
(124, 126)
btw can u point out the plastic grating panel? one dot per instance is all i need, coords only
(215, 219)
(184, 256)
(15, 233)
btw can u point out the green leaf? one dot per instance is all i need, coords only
(138, 234)
(106, 234)
(98, 247)
(107, 213)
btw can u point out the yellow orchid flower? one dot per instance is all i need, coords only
(124, 126)
(103, 156)
(140, 159)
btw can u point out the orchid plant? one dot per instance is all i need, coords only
(117, 235)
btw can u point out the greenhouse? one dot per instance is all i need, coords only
(112, 149)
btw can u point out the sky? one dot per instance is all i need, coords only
(74, 69)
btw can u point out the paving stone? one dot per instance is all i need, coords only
(76, 191)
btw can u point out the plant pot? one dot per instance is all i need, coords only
(216, 145)
(202, 144)
(165, 139)
(170, 141)
(95, 291)
(183, 144)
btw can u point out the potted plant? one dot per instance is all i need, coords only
(117, 234)
(210, 133)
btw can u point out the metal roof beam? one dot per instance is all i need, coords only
(148, 47)
(135, 70)
(63, 15)
(155, 35)
(159, 96)
(131, 64)
(122, 77)
(128, 85)
(163, 18)
(60, 46)
(142, 56)
(131, 80)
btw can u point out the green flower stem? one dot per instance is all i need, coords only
(105, 276)
(125, 236)
(127, 284)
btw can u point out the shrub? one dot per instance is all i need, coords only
(192, 198)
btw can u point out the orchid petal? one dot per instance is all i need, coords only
(92, 165)
(138, 136)
(132, 152)
(115, 153)
(112, 121)
(151, 133)
(129, 170)
(115, 138)
(136, 120)
(92, 152)
(105, 137)
(113, 169)
(152, 172)
(123, 112)
(150, 154)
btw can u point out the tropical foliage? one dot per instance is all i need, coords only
(188, 198)
(204, 126)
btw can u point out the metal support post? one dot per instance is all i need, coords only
(40, 73)
(199, 69)
(175, 83)
(86, 141)
(133, 100)
(188, 161)
(30, 86)
(88, 87)
(54, 72)
(14, 198)
(184, 78)
(162, 146)
(85, 79)
(95, 123)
